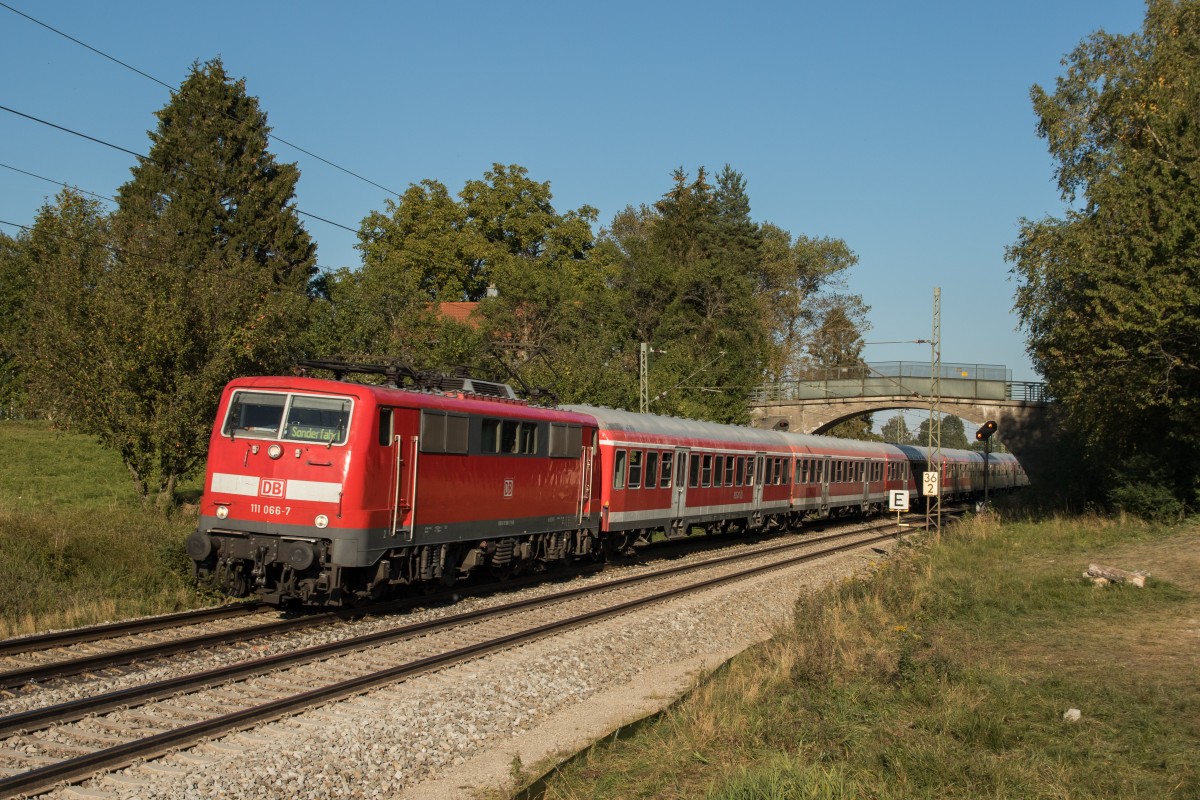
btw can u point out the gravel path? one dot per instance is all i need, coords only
(459, 732)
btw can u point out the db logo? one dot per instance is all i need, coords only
(270, 488)
(508, 488)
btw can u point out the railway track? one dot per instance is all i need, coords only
(32, 660)
(44, 747)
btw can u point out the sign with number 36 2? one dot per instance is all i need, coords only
(929, 484)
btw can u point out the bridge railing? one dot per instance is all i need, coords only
(1028, 391)
(900, 378)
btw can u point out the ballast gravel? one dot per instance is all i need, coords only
(466, 730)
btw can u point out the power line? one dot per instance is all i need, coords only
(174, 90)
(57, 183)
(152, 160)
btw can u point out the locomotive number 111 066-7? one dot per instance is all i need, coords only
(276, 511)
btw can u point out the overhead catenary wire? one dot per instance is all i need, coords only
(175, 90)
(151, 160)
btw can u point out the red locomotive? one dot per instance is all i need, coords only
(327, 491)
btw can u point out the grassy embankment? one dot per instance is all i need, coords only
(946, 673)
(76, 547)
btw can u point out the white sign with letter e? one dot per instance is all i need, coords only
(898, 500)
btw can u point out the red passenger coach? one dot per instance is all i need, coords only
(667, 474)
(328, 491)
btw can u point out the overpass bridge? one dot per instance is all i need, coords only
(815, 402)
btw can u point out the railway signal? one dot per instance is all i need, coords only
(984, 434)
(985, 431)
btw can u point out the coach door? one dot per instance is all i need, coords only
(759, 474)
(825, 467)
(866, 481)
(679, 488)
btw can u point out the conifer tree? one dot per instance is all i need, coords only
(206, 280)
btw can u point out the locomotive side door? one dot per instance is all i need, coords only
(398, 428)
(679, 489)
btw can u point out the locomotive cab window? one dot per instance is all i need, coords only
(301, 418)
(255, 414)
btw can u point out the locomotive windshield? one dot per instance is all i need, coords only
(292, 417)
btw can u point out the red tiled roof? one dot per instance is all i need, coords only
(459, 312)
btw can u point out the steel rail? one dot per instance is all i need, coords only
(43, 778)
(45, 641)
(39, 718)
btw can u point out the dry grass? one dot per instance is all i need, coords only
(946, 673)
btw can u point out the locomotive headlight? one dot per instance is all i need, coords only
(274, 451)
(222, 512)
(321, 521)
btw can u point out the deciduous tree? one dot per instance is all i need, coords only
(1109, 294)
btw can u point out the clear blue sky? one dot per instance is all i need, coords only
(903, 128)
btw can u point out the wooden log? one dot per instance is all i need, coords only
(1115, 575)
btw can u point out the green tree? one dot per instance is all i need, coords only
(1109, 295)
(61, 355)
(954, 434)
(686, 282)
(896, 431)
(207, 280)
(553, 322)
(14, 289)
(799, 284)
(416, 254)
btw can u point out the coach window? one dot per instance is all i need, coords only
(729, 461)
(651, 469)
(740, 477)
(706, 470)
(694, 473)
(787, 471)
(719, 471)
(750, 471)
(635, 469)
(619, 470)
(665, 480)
